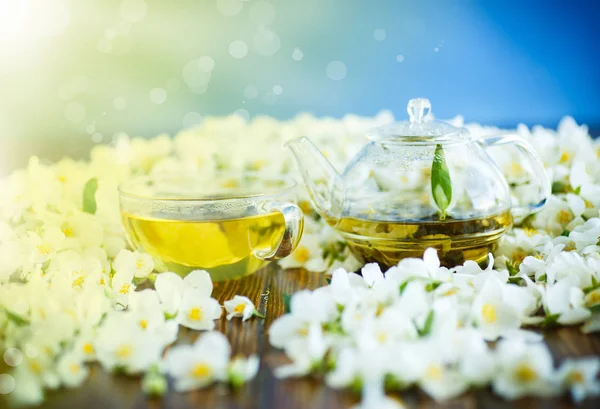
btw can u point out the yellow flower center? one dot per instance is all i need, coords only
(516, 169)
(139, 263)
(45, 248)
(530, 231)
(125, 288)
(68, 231)
(575, 377)
(593, 298)
(78, 282)
(124, 351)
(565, 157)
(195, 314)
(88, 348)
(102, 282)
(526, 373)
(381, 337)
(201, 370)
(239, 308)
(35, 367)
(230, 183)
(143, 324)
(303, 332)
(451, 291)
(488, 312)
(518, 256)
(74, 368)
(564, 217)
(301, 255)
(434, 372)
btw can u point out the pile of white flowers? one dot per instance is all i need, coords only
(68, 280)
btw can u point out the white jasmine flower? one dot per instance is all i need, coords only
(492, 313)
(240, 306)
(71, 369)
(241, 369)
(197, 311)
(198, 365)
(565, 299)
(580, 377)
(372, 274)
(133, 263)
(305, 353)
(523, 369)
(171, 288)
(44, 246)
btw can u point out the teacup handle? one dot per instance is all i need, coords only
(294, 225)
(542, 179)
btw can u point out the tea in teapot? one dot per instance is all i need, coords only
(418, 184)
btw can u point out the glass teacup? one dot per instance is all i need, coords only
(229, 224)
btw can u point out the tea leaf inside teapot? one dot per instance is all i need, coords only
(441, 186)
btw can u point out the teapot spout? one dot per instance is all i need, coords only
(322, 181)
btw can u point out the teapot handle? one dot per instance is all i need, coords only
(294, 225)
(541, 177)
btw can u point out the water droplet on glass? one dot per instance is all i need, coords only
(297, 54)
(277, 90)
(158, 95)
(120, 103)
(133, 10)
(266, 42)
(251, 92)
(242, 113)
(75, 112)
(379, 34)
(191, 119)
(229, 7)
(13, 356)
(400, 58)
(7, 384)
(238, 49)
(262, 13)
(336, 70)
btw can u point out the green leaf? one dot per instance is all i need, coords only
(542, 278)
(550, 321)
(427, 326)
(577, 190)
(432, 286)
(560, 187)
(89, 196)
(512, 268)
(595, 309)
(565, 233)
(403, 286)
(16, 318)
(328, 280)
(286, 302)
(441, 186)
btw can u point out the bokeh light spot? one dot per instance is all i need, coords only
(196, 74)
(297, 54)
(192, 119)
(133, 10)
(251, 92)
(266, 42)
(158, 95)
(400, 58)
(97, 137)
(436, 49)
(120, 103)
(75, 112)
(13, 356)
(7, 384)
(379, 34)
(242, 113)
(262, 13)
(229, 7)
(238, 49)
(336, 70)
(277, 89)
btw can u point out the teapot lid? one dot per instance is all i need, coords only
(420, 129)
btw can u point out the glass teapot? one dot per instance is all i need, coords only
(420, 183)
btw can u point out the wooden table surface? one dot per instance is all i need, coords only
(265, 289)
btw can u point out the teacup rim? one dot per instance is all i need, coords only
(289, 185)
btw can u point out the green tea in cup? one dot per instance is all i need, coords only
(227, 224)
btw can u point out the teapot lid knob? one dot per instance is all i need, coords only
(418, 109)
